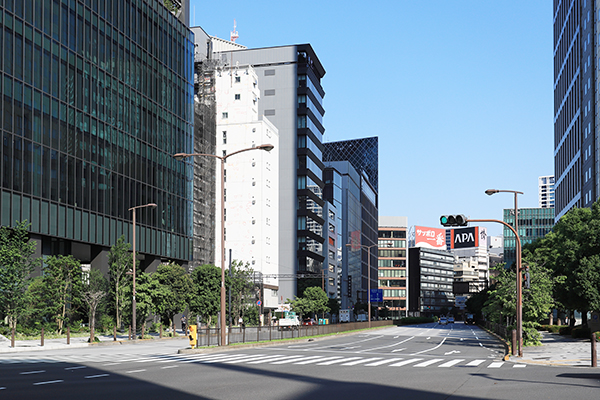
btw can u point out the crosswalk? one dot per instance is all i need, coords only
(257, 359)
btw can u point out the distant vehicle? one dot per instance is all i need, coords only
(443, 321)
(287, 319)
(450, 320)
(344, 315)
(309, 321)
(469, 319)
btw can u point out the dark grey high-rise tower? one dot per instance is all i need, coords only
(576, 167)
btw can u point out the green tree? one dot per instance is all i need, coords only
(315, 300)
(16, 265)
(119, 263)
(206, 292)
(240, 281)
(94, 290)
(572, 250)
(62, 285)
(143, 299)
(170, 290)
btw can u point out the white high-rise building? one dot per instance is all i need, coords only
(546, 191)
(251, 177)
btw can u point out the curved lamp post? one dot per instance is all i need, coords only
(490, 192)
(133, 303)
(368, 273)
(181, 157)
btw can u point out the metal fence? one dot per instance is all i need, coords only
(498, 329)
(248, 334)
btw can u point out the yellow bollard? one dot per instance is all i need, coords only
(193, 335)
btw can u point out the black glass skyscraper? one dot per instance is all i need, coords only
(96, 97)
(363, 154)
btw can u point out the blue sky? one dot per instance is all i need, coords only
(460, 93)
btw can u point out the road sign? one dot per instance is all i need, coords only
(594, 322)
(258, 303)
(376, 295)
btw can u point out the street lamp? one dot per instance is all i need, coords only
(368, 273)
(134, 304)
(490, 192)
(181, 157)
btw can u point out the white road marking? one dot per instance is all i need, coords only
(32, 372)
(450, 363)
(378, 363)
(383, 347)
(425, 351)
(475, 363)
(393, 351)
(361, 361)
(405, 362)
(296, 358)
(339, 361)
(135, 371)
(316, 360)
(72, 368)
(428, 362)
(452, 352)
(519, 365)
(107, 365)
(269, 359)
(48, 382)
(170, 366)
(95, 376)
(496, 364)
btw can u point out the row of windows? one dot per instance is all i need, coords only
(53, 219)
(392, 243)
(392, 234)
(436, 271)
(391, 263)
(440, 286)
(396, 253)
(394, 293)
(392, 273)
(392, 282)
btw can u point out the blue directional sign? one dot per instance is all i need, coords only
(376, 295)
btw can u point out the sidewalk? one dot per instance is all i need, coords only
(53, 344)
(557, 350)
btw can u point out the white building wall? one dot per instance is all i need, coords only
(251, 177)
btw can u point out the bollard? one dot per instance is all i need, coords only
(514, 342)
(129, 332)
(594, 354)
(270, 328)
(115, 333)
(68, 335)
(160, 332)
(258, 334)
(143, 329)
(244, 335)
(42, 336)
(12, 338)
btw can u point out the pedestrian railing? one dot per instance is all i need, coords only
(248, 334)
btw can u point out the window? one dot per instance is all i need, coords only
(269, 72)
(270, 92)
(238, 79)
(331, 268)
(225, 115)
(238, 96)
(331, 255)
(224, 137)
(269, 112)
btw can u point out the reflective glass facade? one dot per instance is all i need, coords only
(534, 223)
(96, 97)
(363, 154)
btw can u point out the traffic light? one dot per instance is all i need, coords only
(350, 285)
(193, 335)
(453, 220)
(526, 280)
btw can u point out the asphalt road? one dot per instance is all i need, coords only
(424, 362)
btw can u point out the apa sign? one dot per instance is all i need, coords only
(465, 237)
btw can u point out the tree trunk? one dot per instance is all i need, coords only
(584, 318)
(551, 317)
(572, 318)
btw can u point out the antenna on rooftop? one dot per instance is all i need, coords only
(234, 34)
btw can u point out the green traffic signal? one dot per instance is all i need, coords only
(453, 220)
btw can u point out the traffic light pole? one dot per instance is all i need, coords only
(519, 283)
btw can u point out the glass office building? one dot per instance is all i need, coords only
(96, 97)
(534, 223)
(363, 154)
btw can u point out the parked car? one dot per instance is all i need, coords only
(443, 321)
(450, 320)
(309, 321)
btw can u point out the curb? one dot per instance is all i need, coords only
(506, 356)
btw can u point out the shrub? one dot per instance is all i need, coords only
(564, 330)
(581, 332)
(155, 327)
